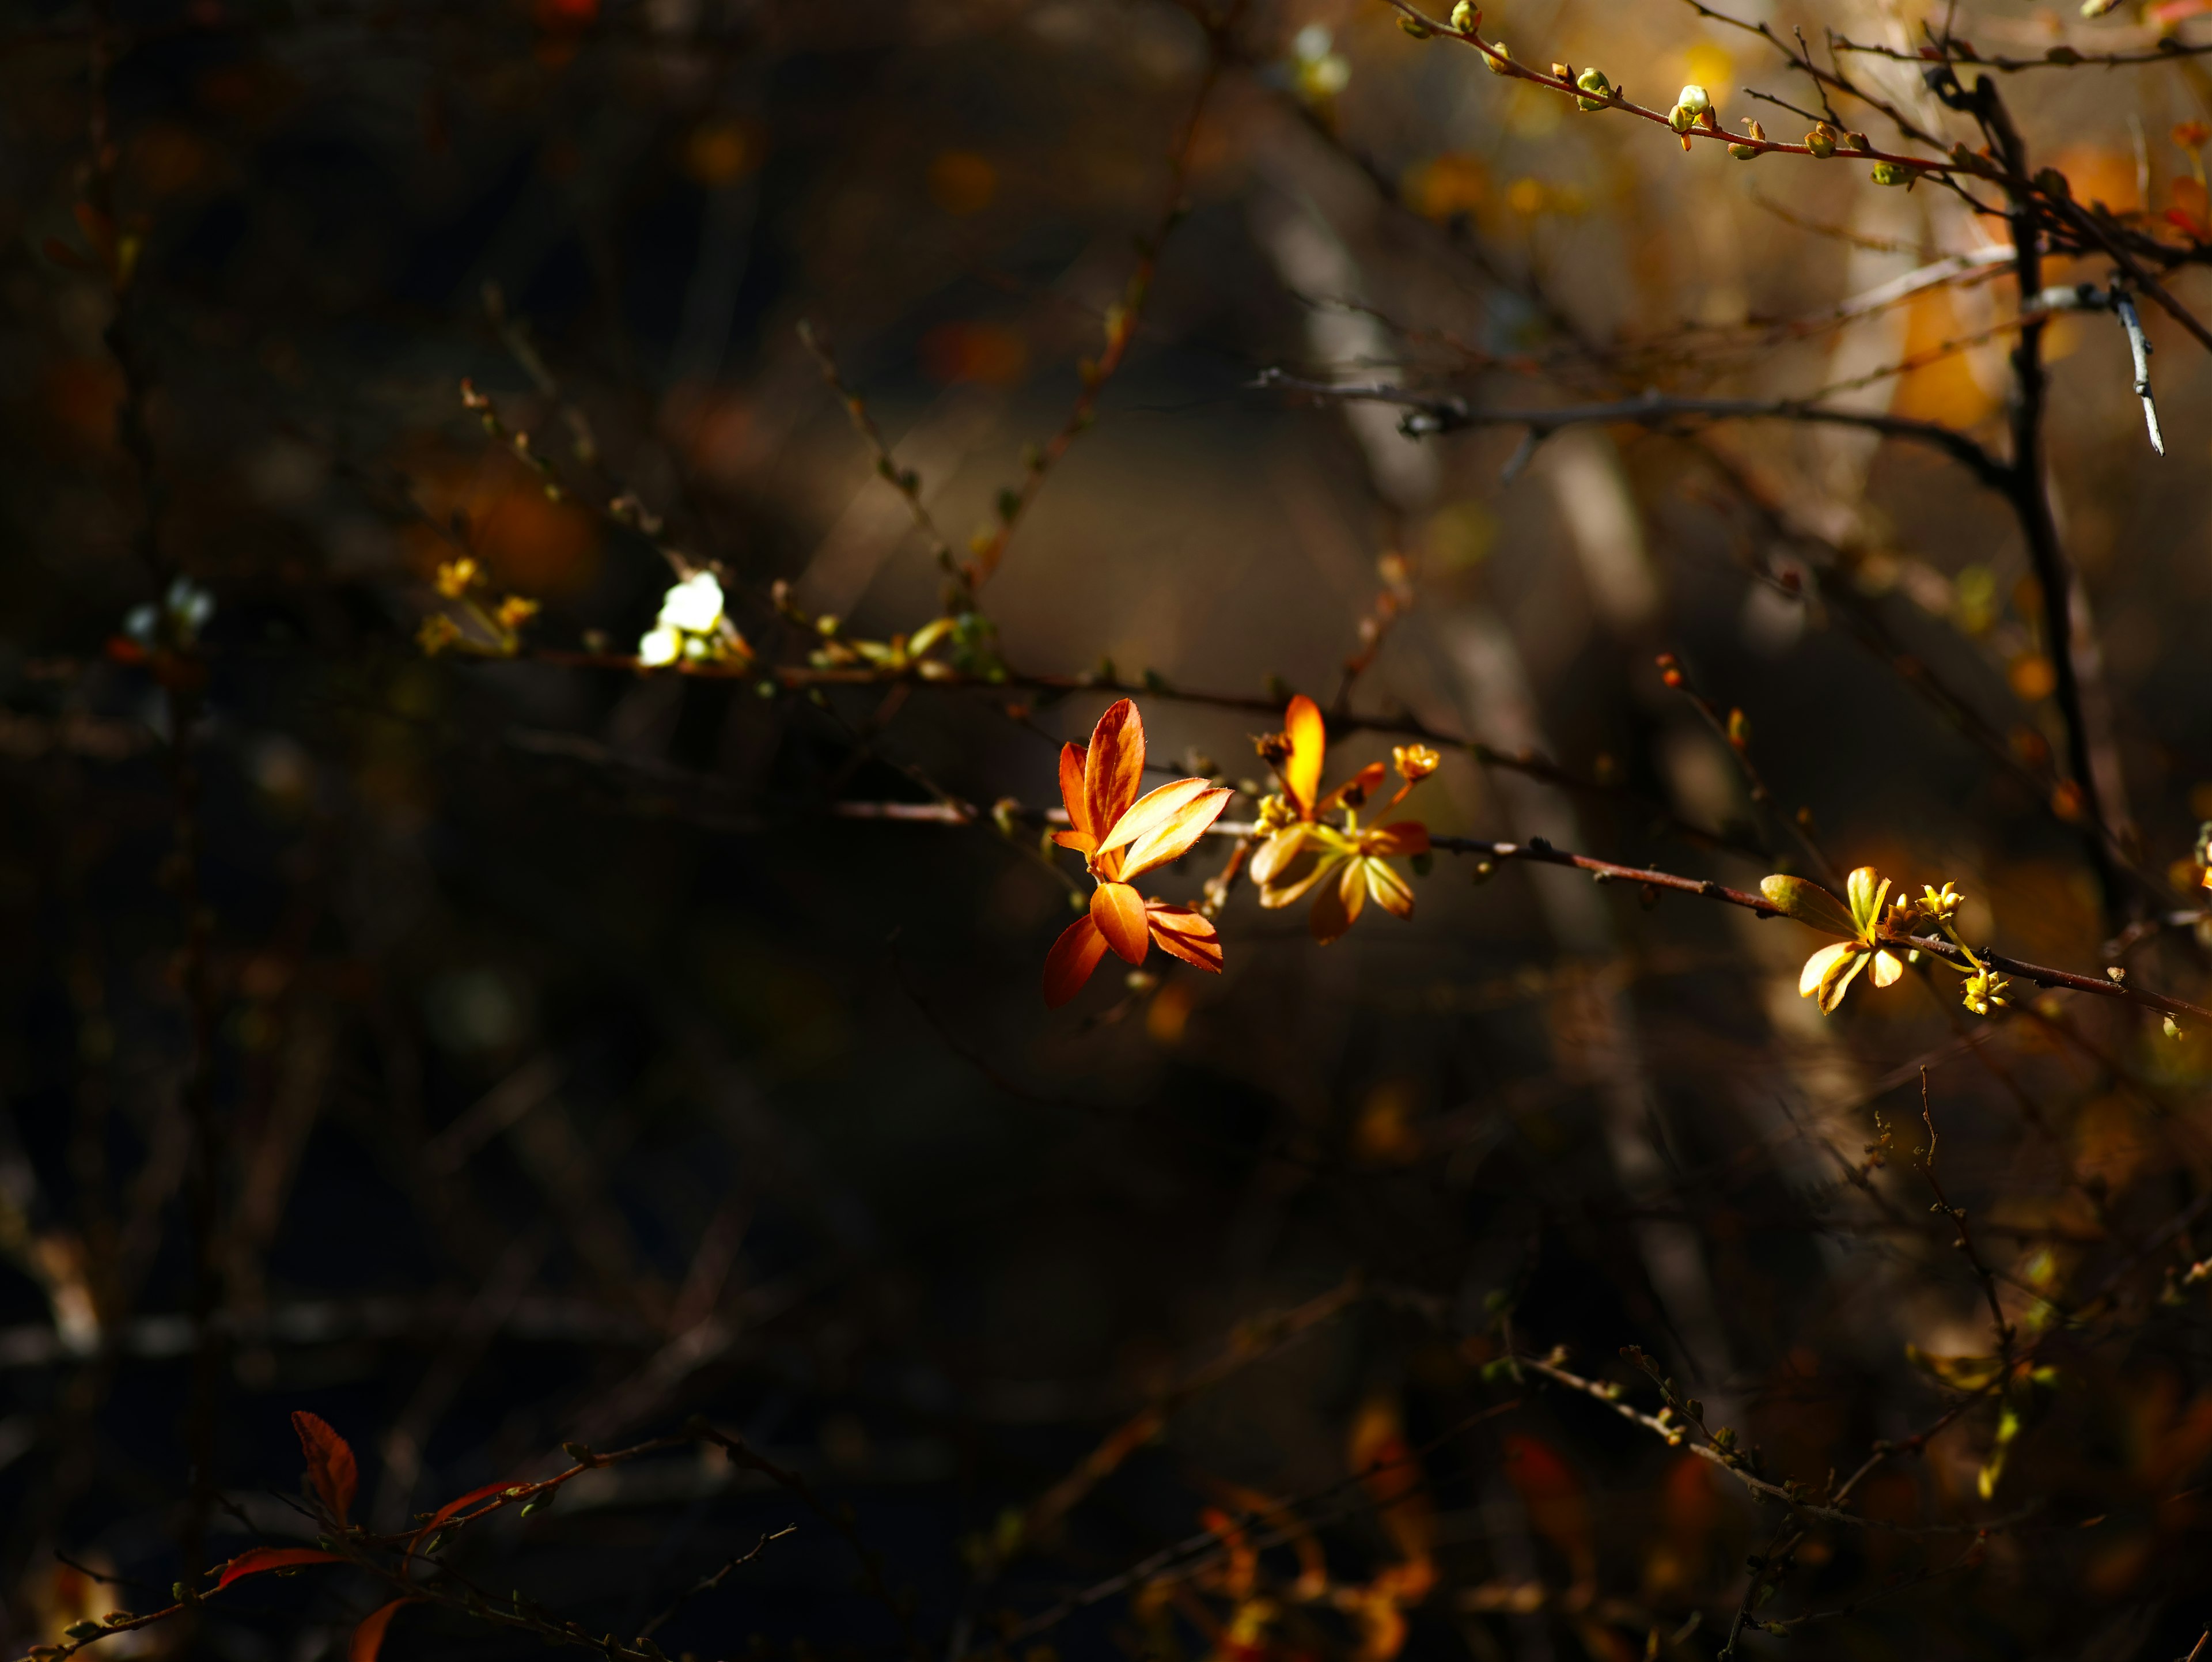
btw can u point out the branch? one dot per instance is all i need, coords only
(1503, 63)
(1429, 413)
(2058, 57)
(1539, 851)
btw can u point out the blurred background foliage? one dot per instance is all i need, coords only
(567, 1069)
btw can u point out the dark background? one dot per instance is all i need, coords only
(569, 1069)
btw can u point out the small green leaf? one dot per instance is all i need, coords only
(1807, 902)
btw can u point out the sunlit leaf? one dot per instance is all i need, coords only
(1072, 793)
(1119, 912)
(1308, 737)
(1184, 934)
(1172, 839)
(1151, 811)
(1807, 902)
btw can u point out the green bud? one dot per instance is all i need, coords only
(1414, 27)
(1696, 100)
(1889, 172)
(1600, 89)
(1465, 18)
(1498, 65)
(1821, 141)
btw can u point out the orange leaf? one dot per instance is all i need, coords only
(1114, 768)
(368, 1637)
(2190, 209)
(1119, 912)
(1185, 934)
(1151, 811)
(1071, 793)
(1070, 962)
(1548, 1488)
(259, 1559)
(332, 1471)
(1400, 836)
(1171, 839)
(1308, 737)
(1362, 785)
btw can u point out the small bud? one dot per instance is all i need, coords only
(1600, 90)
(1465, 18)
(1696, 100)
(1414, 27)
(1680, 119)
(1563, 71)
(1889, 172)
(1821, 141)
(1501, 64)
(1757, 134)
(1857, 141)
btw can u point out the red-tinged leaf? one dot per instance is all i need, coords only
(2191, 209)
(368, 1637)
(1119, 912)
(453, 1507)
(1070, 962)
(332, 1471)
(1114, 768)
(1071, 790)
(1400, 837)
(261, 1559)
(1308, 737)
(1553, 1496)
(1357, 788)
(1185, 934)
(66, 257)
